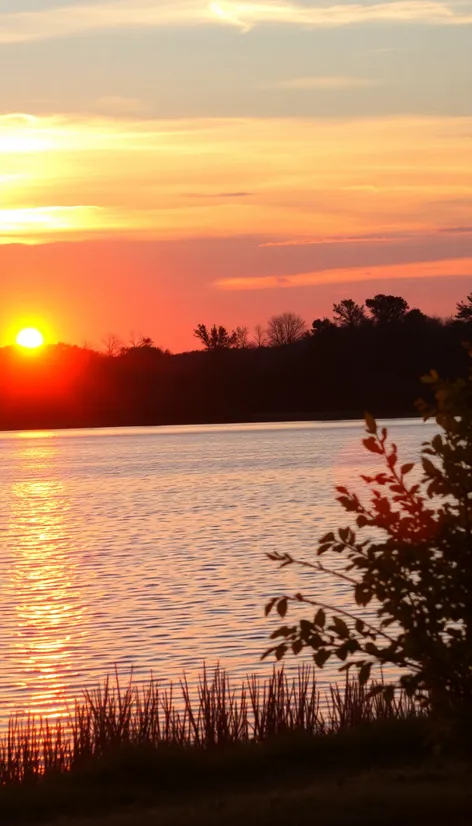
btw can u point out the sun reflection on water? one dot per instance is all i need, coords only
(49, 617)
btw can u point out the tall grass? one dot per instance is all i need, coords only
(114, 716)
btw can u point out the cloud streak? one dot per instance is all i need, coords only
(276, 179)
(423, 269)
(366, 238)
(83, 18)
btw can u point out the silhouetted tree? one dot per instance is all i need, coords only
(416, 317)
(387, 308)
(112, 345)
(349, 314)
(339, 372)
(260, 335)
(137, 342)
(464, 309)
(285, 329)
(217, 338)
(321, 325)
(241, 338)
(134, 339)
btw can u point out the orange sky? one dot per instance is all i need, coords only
(122, 214)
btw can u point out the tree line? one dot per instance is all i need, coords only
(365, 357)
(287, 328)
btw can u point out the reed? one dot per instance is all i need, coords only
(114, 716)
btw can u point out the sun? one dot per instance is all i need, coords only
(30, 337)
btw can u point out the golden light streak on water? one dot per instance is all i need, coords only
(49, 618)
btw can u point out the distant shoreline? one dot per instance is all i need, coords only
(342, 416)
(336, 375)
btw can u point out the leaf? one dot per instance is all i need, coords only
(360, 625)
(270, 605)
(362, 595)
(342, 651)
(371, 444)
(284, 631)
(306, 628)
(340, 628)
(364, 673)
(428, 467)
(407, 468)
(437, 443)
(321, 657)
(430, 378)
(370, 424)
(282, 607)
(320, 618)
(280, 651)
(297, 647)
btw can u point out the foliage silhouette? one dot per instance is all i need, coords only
(241, 338)
(464, 309)
(260, 336)
(332, 372)
(409, 558)
(323, 325)
(112, 345)
(285, 329)
(217, 338)
(386, 309)
(349, 314)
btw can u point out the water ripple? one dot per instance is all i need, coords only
(145, 548)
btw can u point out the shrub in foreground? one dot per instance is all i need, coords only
(409, 558)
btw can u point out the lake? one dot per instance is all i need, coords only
(144, 548)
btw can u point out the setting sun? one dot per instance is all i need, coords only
(30, 338)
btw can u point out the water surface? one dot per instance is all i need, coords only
(144, 548)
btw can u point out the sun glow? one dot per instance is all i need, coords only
(30, 338)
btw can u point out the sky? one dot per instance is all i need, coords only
(165, 163)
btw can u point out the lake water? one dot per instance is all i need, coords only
(144, 548)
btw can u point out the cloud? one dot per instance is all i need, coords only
(301, 180)
(210, 195)
(346, 275)
(80, 18)
(43, 219)
(328, 82)
(367, 238)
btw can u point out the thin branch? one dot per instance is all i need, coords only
(318, 566)
(327, 607)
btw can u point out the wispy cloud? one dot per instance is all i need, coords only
(328, 82)
(277, 179)
(348, 275)
(367, 237)
(44, 219)
(80, 18)
(206, 195)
